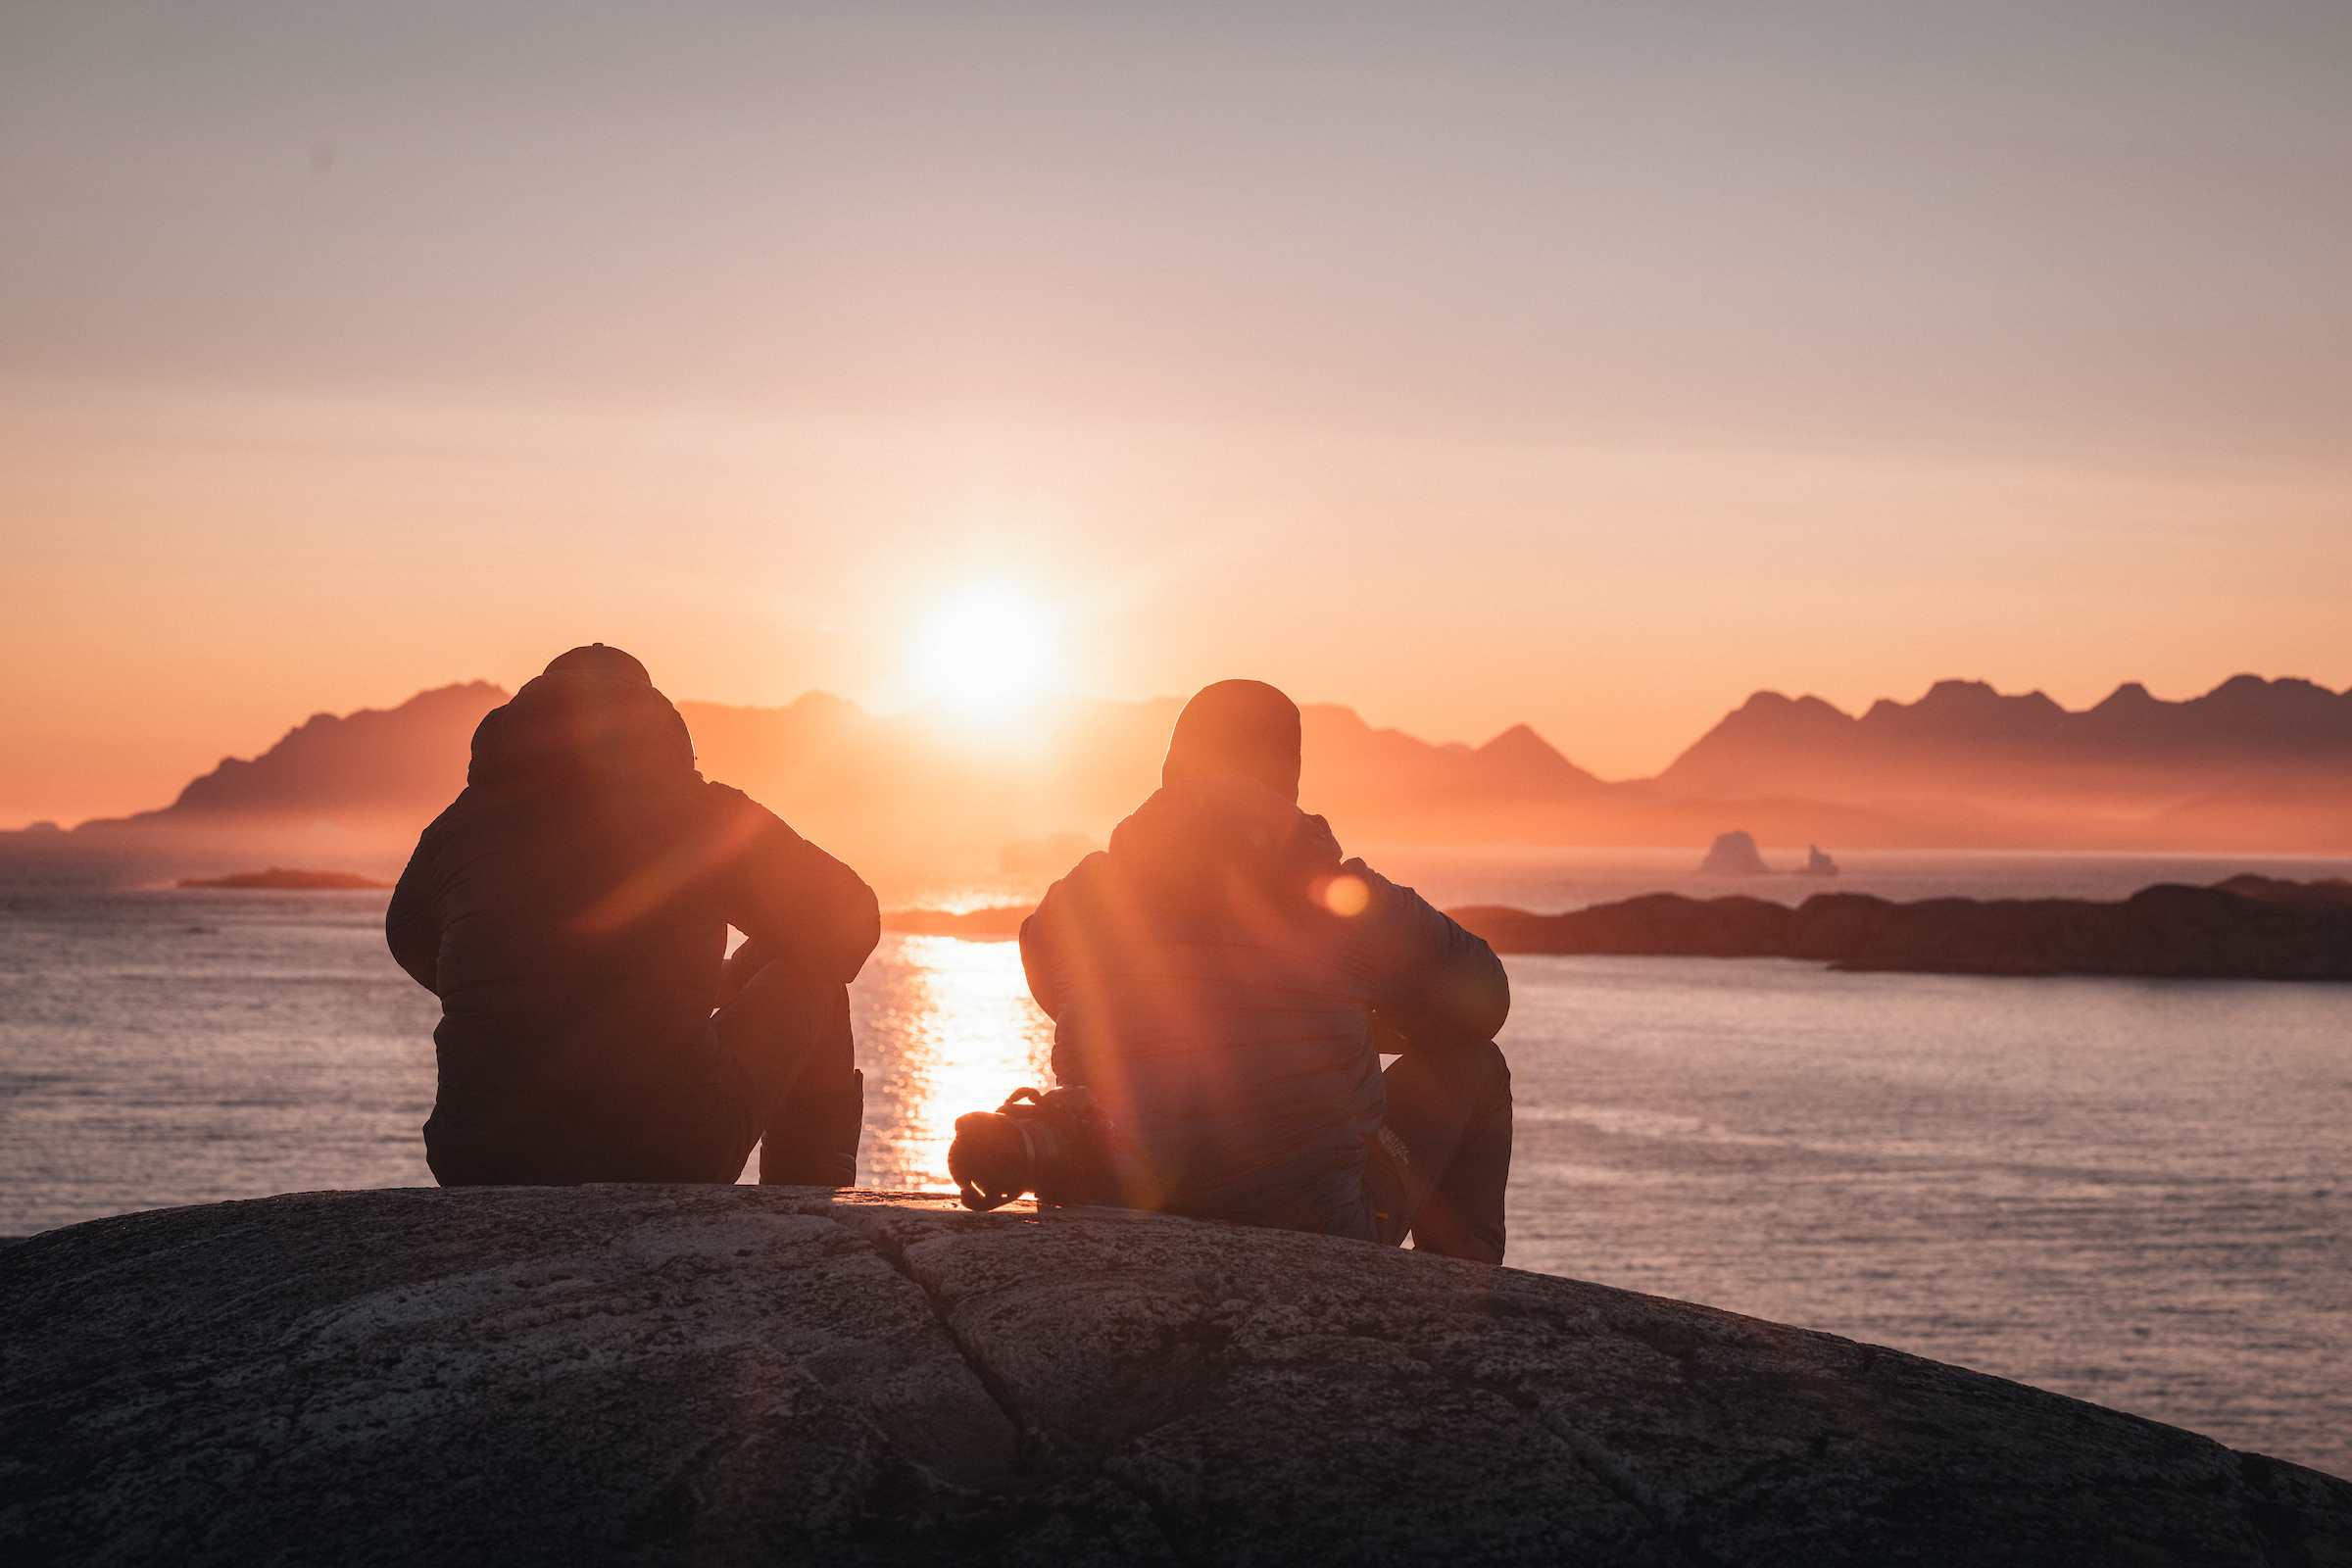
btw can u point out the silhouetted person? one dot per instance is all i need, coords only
(572, 908)
(1224, 985)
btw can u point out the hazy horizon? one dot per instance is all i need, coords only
(1584, 367)
(943, 713)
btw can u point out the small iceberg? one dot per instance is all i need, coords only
(1734, 854)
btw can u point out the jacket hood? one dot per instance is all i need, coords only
(1206, 834)
(578, 725)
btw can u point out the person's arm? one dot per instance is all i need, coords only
(412, 919)
(1037, 952)
(1439, 983)
(794, 902)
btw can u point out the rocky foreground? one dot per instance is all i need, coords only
(714, 1375)
(2247, 928)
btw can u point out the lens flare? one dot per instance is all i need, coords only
(1345, 895)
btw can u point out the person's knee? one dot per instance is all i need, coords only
(811, 1139)
(1470, 1070)
(781, 1004)
(777, 980)
(1484, 1061)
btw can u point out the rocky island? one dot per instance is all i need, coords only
(738, 1375)
(1733, 854)
(2247, 928)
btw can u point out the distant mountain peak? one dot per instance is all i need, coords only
(1521, 740)
(2287, 693)
(1535, 760)
(1517, 763)
(1973, 702)
(2130, 696)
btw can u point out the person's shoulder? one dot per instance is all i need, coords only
(1082, 885)
(711, 813)
(476, 806)
(726, 801)
(721, 797)
(470, 804)
(1386, 901)
(1092, 871)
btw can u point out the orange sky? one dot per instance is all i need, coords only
(1589, 366)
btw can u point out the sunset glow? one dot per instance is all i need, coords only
(986, 651)
(1470, 365)
(974, 1037)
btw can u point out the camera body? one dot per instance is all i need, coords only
(1054, 1143)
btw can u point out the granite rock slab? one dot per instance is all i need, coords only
(742, 1375)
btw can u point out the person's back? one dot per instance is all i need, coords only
(570, 910)
(1214, 976)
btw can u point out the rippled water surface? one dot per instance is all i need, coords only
(2132, 1191)
(2129, 1191)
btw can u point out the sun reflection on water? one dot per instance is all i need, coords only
(944, 1026)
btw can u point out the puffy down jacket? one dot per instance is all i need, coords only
(1213, 978)
(572, 908)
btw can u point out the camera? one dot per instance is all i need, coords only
(1054, 1143)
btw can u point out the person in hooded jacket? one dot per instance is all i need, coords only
(1224, 985)
(570, 910)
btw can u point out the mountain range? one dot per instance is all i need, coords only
(1965, 739)
(2252, 766)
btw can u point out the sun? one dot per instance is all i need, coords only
(986, 650)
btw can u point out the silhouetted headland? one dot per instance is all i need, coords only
(997, 920)
(710, 1374)
(2247, 928)
(281, 879)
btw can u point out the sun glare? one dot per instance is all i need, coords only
(987, 650)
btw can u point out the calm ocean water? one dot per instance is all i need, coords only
(2132, 1191)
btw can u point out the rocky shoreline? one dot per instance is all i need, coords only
(2248, 928)
(656, 1375)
